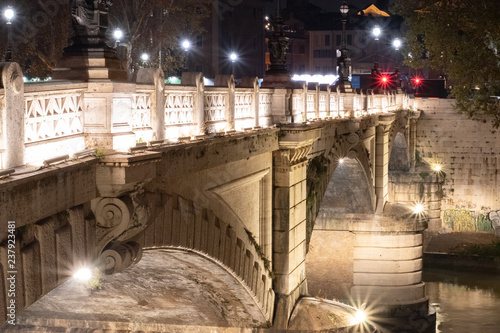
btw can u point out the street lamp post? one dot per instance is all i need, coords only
(118, 35)
(186, 45)
(234, 57)
(344, 62)
(397, 44)
(9, 15)
(144, 58)
(376, 33)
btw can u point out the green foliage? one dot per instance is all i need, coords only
(34, 29)
(95, 282)
(258, 249)
(461, 39)
(41, 30)
(99, 152)
(423, 174)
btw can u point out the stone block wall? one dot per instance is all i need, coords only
(469, 152)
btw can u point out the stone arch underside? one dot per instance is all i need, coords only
(166, 291)
(399, 158)
(180, 222)
(399, 154)
(329, 262)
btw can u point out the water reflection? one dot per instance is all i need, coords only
(464, 301)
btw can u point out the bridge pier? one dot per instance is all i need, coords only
(382, 154)
(289, 222)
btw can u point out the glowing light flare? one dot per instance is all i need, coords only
(186, 45)
(384, 81)
(396, 43)
(437, 167)
(341, 161)
(233, 56)
(118, 34)
(360, 316)
(83, 274)
(9, 14)
(144, 57)
(376, 32)
(418, 209)
(417, 80)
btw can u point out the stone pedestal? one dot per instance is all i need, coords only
(90, 64)
(108, 115)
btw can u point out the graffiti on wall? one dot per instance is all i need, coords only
(466, 220)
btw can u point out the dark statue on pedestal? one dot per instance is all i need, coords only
(278, 74)
(278, 45)
(90, 23)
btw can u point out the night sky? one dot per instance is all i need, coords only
(334, 5)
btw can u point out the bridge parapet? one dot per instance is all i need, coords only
(62, 117)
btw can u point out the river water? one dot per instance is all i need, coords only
(464, 301)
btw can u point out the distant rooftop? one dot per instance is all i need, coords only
(373, 11)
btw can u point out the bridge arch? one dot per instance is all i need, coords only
(181, 222)
(399, 144)
(169, 288)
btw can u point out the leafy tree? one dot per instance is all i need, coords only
(157, 27)
(460, 38)
(41, 30)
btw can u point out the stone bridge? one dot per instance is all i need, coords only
(266, 182)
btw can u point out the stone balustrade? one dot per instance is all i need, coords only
(61, 117)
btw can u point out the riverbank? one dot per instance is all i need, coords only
(462, 250)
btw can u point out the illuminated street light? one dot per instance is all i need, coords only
(418, 209)
(118, 35)
(83, 274)
(186, 45)
(436, 167)
(360, 316)
(234, 57)
(341, 161)
(376, 32)
(344, 62)
(9, 15)
(396, 43)
(144, 57)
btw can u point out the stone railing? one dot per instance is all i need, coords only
(53, 120)
(64, 117)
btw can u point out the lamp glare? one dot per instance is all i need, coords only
(360, 316)
(419, 208)
(118, 34)
(9, 14)
(83, 274)
(436, 167)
